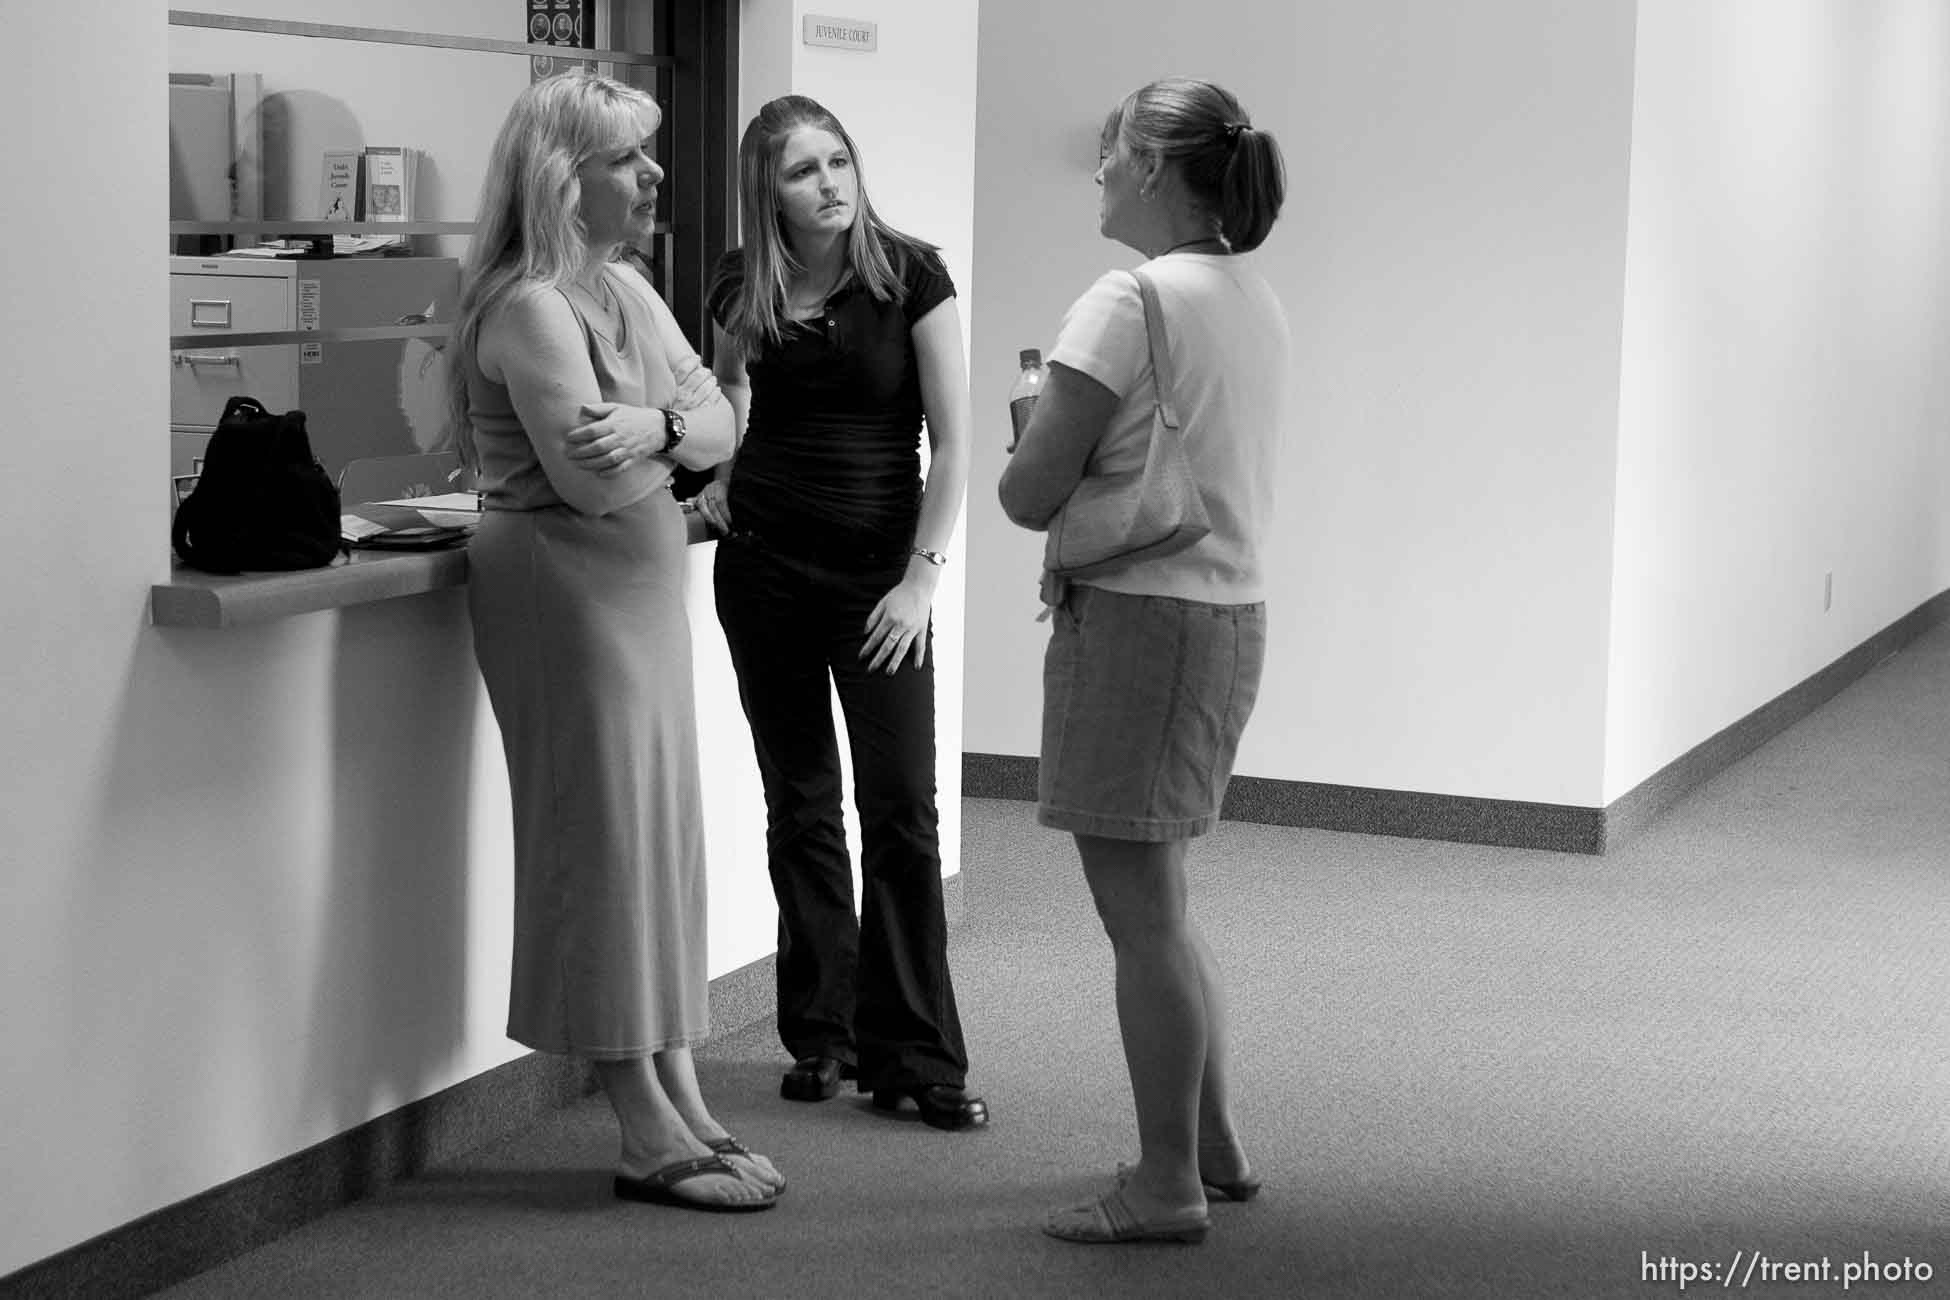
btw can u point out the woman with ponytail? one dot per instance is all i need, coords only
(1152, 668)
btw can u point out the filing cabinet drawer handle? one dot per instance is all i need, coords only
(209, 359)
(210, 313)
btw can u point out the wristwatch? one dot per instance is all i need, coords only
(673, 431)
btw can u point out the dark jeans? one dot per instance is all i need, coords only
(874, 992)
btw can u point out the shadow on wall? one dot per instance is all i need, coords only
(298, 125)
(391, 977)
(267, 936)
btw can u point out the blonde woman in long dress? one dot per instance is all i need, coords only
(577, 398)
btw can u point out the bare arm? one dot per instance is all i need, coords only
(709, 423)
(1068, 422)
(534, 346)
(728, 365)
(944, 397)
(900, 620)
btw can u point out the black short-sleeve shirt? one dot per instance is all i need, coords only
(830, 467)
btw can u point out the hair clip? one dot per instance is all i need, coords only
(1232, 130)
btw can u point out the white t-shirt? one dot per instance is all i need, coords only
(1230, 345)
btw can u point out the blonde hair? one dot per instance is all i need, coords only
(1232, 169)
(529, 227)
(875, 251)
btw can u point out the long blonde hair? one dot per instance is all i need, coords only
(529, 227)
(875, 251)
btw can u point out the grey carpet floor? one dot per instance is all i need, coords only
(1462, 1071)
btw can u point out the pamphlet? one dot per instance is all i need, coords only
(338, 186)
(389, 183)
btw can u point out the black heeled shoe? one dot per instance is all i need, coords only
(941, 1106)
(814, 1078)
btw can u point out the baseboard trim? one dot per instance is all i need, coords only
(1638, 807)
(998, 776)
(181, 1240)
(194, 1235)
(1356, 809)
(1414, 814)
(1509, 823)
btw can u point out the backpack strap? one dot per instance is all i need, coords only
(244, 404)
(179, 528)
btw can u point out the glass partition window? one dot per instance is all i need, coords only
(290, 135)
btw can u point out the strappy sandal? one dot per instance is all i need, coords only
(659, 1187)
(729, 1146)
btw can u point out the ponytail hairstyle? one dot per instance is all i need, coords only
(875, 252)
(529, 229)
(1232, 169)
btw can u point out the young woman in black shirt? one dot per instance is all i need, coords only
(837, 340)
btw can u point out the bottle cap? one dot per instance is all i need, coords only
(1030, 356)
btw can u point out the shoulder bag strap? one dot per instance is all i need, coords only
(1154, 329)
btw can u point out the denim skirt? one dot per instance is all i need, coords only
(1144, 701)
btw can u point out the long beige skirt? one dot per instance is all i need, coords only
(581, 634)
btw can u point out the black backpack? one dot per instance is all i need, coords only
(261, 501)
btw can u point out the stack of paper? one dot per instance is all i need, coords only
(417, 524)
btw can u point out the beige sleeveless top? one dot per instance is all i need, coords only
(630, 368)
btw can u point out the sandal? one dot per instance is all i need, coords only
(765, 1175)
(660, 1187)
(1108, 1221)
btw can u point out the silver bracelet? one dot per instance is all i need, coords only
(936, 558)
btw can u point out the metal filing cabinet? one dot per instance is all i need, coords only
(383, 397)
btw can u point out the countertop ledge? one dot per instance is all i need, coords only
(194, 599)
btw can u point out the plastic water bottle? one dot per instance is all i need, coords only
(1024, 392)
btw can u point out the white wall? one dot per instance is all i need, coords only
(910, 106)
(256, 878)
(255, 881)
(1451, 258)
(1787, 295)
